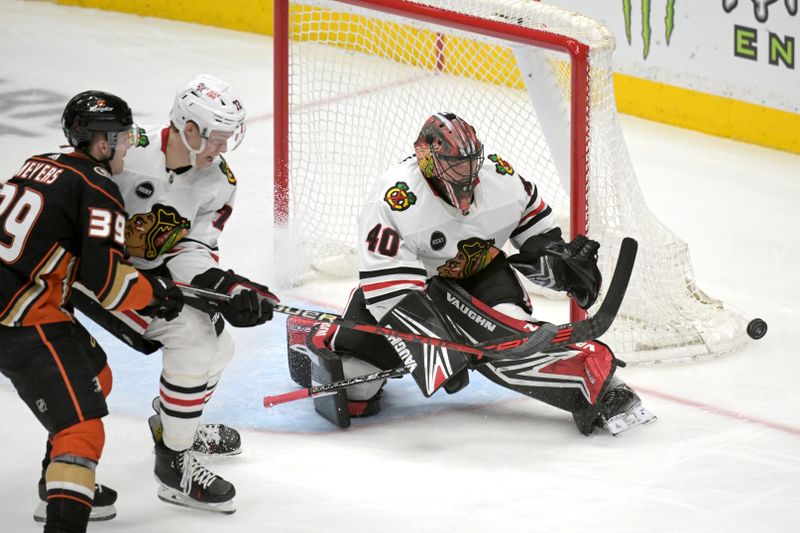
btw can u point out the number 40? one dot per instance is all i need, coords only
(383, 239)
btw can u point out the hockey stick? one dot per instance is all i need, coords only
(570, 333)
(205, 299)
(330, 388)
(546, 336)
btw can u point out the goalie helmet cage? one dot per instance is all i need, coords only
(356, 79)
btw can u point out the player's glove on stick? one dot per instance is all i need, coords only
(250, 304)
(561, 266)
(167, 298)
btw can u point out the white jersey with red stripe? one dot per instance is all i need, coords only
(194, 352)
(408, 233)
(203, 197)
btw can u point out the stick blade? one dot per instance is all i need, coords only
(553, 336)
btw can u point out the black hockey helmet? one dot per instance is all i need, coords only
(93, 112)
(450, 155)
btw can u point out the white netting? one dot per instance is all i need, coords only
(362, 82)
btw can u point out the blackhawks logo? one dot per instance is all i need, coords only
(399, 197)
(223, 166)
(500, 165)
(474, 254)
(149, 235)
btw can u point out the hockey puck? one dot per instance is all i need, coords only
(757, 328)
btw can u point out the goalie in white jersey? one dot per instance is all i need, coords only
(179, 192)
(439, 219)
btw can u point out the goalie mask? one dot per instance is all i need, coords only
(92, 112)
(211, 104)
(450, 155)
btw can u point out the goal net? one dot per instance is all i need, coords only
(356, 79)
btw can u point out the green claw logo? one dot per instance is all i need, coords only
(646, 29)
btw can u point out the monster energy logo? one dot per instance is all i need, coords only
(647, 31)
(761, 7)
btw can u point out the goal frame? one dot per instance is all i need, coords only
(577, 51)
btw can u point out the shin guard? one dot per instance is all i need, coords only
(69, 477)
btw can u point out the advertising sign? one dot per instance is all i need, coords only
(740, 49)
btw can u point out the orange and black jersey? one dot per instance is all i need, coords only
(62, 219)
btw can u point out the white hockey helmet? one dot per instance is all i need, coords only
(211, 104)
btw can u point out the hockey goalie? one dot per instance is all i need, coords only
(431, 263)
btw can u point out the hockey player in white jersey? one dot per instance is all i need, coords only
(179, 192)
(445, 214)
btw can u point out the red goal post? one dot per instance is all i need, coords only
(341, 65)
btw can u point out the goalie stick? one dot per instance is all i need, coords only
(545, 337)
(535, 341)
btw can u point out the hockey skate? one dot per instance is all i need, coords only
(102, 507)
(210, 439)
(619, 410)
(186, 482)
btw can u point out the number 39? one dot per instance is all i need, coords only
(100, 224)
(20, 219)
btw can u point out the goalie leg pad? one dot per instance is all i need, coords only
(570, 378)
(312, 362)
(431, 366)
(470, 318)
(297, 331)
(326, 367)
(374, 349)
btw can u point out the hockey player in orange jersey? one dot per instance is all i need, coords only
(62, 220)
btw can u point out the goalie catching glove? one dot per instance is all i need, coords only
(250, 304)
(548, 261)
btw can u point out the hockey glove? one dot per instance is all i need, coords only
(167, 298)
(532, 262)
(561, 266)
(250, 304)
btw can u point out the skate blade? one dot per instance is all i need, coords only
(176, 497)
(204, 451)
(624, 421)
(98, 514)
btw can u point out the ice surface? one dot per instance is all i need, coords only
(723, 456)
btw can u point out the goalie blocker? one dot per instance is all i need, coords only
(577, 378)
